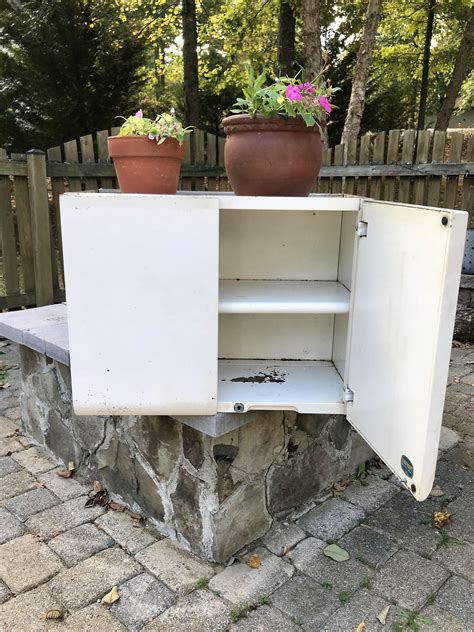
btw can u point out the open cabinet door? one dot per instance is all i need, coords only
(141, 276)
(406, 279)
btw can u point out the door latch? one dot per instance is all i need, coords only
(348, 395)
(362, 229)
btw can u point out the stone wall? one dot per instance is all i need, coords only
(212, 494)
(464, 327)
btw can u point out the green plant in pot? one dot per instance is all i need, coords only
(147, 153)
(273, 144)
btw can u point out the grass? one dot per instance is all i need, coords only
(297, 621)
(243, 611)
(327, 585)
(410, 621)
(202, 582)
(344, 596)
(446, 540)
(365, 583)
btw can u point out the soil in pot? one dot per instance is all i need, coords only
(271, 156)
(143, 166)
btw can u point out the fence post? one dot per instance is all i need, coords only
(38, 190)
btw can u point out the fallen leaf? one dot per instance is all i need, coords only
(284, 549)
(382, 615)
(361, 627)
(342, 485)
(100, 498)
(441, 518)
(111, 597)
(254, 561)
(336, 553)
(456, 379)
(115, 506)
(53, 613)
(71, 466)
(64, 473)
(97, 487)
(436, 491)
(7, 385)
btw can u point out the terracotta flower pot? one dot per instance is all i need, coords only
(143, 166)
(271, 156)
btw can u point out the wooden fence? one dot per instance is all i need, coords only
(434, 169)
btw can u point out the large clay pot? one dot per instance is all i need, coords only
(271, 156)
(143, 166)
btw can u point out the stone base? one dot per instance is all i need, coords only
(212, 494)
(464, 327)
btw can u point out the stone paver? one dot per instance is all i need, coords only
(282, 537)
(142, 598)
(51, 522)
(63, 488)
(79, 543)
(361, 607)
(441, 621)
(27, 563)
(371, 494)
(453, 473)
(332, 519)
(25, 613)
(368, 546)
(5, 592)
(457, 597)
(93, 578)
(308, 557)
(8, 465)
(7, 427)
(177, 568)
(129, 533)
(409, 580)
(94, 618)
(35, 460)
(14, 484)
(303, 599)
(457, 557)
(448, 439)
(241, 584)
(462, 521)
(9, 445)
(10, 526)
(199, 611)
(266, 619)
(31, 502)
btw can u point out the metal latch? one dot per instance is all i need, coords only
(348, 395)
(362, 229)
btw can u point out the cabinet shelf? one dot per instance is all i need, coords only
(283, 297)
(306, 387)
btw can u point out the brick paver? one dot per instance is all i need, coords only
(56, 553)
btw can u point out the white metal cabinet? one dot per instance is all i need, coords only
(229, 304)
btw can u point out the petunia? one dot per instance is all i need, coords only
(139, 114)
(293, 93)
(324, 103)
(307, 87)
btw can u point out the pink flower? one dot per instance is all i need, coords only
(293, 93)
(324, 103)
(139, 114)
(307, 87)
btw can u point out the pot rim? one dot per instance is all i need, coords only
(248, 123)
(142, 146)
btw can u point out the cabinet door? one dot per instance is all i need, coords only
(406, 279)
(142, 294)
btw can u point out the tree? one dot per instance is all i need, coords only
(67, 67)
(460, 69)
(190, 63)
(311, 16)
(426, 64)
(359, 83)
(286, 38)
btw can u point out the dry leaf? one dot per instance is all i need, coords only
(341, 485)
(436, 491)
(115, 506)
(254, 561)
(53, 613)
(71, 466)
(284, 549)
(361, 627)
(111, 597)
(97, 487)
(64, 473)
(382, 615)
(7, 385)
(456, 379)
(101, 498)
(441, 518)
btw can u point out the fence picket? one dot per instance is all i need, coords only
(336, 183)
(223, 181)
(351, 159)
(211, 159)
(422, 150)
(199, 157)
(378, 159)
(72, 156)
(407, 159)
(57, 189)
(88, 156)
(467, 202)
(364, 158)
(455, 151)
(9, 256)
(434, 185)
(392, 158)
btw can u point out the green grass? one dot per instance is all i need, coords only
(409, 621)
(344, 596)
(327, 585)
(202, 582)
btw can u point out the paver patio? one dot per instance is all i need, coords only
(57, 554)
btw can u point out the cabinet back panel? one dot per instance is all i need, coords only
(276, 336)
(286, 245)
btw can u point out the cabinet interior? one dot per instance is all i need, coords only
(284, 299)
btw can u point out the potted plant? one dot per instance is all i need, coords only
(273, 144)
(147, 153)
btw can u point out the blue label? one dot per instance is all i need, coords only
(407, 466)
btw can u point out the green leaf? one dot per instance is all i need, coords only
(336, 553)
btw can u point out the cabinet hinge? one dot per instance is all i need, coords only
(362, 229)
(348, 395)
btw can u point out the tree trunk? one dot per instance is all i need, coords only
(311, 15)
(190, 63)
(286, 38)
(426, 64)
(361, 75)
(460, 69)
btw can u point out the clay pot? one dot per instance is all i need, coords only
(271, 156)
(143, 166)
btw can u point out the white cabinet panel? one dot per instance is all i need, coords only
(403, 306)
(143, 336)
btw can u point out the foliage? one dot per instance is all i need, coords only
(286, 96)
(410, 620)
(160, 128)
